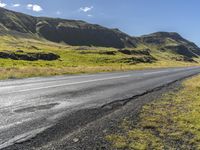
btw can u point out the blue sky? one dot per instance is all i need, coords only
(135, 17)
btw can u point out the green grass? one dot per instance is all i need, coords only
(172, 122)
(72, 61)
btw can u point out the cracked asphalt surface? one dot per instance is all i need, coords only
(29, 107)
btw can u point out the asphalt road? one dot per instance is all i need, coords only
(29, 106)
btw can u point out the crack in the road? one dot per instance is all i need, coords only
(122, 102)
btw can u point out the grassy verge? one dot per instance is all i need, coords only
(73, 59)
(172, 122)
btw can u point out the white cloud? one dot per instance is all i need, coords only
(29, 6)
(34, 7)
(2, 4)
(58, 12)
(86, 9)
(37, 8)
(89, 15)
(16, 5)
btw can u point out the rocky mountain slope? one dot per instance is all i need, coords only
(171, 41)
(69, 31)
(80, 33)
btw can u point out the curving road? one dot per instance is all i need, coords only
(29, 106)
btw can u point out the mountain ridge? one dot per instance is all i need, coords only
(72, 32)
(171, 41)
(81, 33)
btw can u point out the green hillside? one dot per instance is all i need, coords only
(76, 59)
(39, 46)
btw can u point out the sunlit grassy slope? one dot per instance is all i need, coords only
(73, 59)
(172, 122)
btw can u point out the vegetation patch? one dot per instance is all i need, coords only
(171, 122)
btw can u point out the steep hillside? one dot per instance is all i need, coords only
(69, 31)
(173, 42)
(10, 20)
(80, 33)
(39, 46)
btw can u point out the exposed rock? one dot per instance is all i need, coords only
(184, 58)
(135, 60)
(75, 140)
(135, 52)
(171, 41)
(108, 53)
(34, 47)
(182, 50)
(29, 56)
(19, 51)
(100, 52)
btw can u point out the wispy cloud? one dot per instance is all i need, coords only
(2, 4)
(34, 7)
(58, 12)
(86, 9)
(16, 5)
(89, 15)
(29, 6)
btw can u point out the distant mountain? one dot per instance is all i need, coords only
(69, 31)
(80, 33)
(171, 41)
